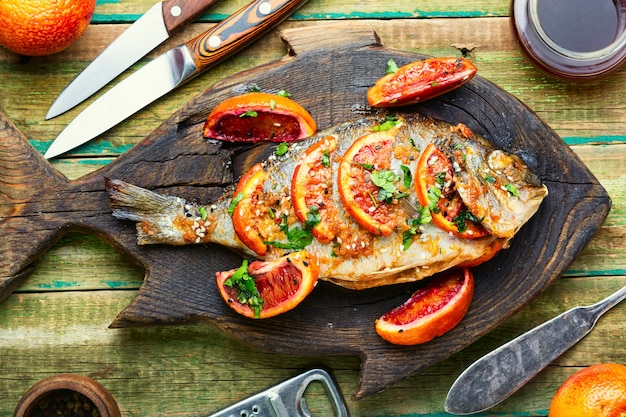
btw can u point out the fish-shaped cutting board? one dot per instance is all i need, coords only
(328, 70)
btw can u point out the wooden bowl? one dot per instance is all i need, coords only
(91, 389)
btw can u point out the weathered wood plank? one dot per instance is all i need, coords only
(194, 370)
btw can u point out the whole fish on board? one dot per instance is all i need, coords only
(38, 205)
(371, 248)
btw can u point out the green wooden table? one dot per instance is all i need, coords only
(57, 321)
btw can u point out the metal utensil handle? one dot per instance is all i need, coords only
(608, 303)
(292, 392)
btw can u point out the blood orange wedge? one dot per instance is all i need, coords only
(312, 188)
(247, 221)
(266, 289)
(255, 117)
(419, 81)
(368, 154)
(434, 187)
(431, 311)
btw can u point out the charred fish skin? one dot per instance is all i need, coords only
(355, 258)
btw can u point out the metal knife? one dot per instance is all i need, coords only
(149, 31)
(499, 374)
(172, 69)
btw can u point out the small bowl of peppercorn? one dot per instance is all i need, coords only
(67, 395)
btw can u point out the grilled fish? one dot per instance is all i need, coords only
(348, 196)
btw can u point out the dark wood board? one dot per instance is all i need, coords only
(328, 71)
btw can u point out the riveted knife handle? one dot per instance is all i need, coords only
(177, 13)
(237, 31)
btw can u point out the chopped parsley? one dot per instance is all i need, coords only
(254, 89)
(282, 149)
(386, 180)
(408, 177)
(249, 113)
(203, 212)
(462, 217)
(423, 217)
(392, 67)
(297, 238)
(326, 159)
(490, 179)
(391, 120)
(233, 204)
(272, 105)
(283, 93)
(247, 292)
(434, 194)
(512, 190)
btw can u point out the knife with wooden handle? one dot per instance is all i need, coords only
(499, 374)
(172, 69)
(149, 31)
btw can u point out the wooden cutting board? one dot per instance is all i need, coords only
(328, 71)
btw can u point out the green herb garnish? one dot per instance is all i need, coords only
(490, 179)
(423, 217)
(247, 292)
(249, 113)
(391, 120)
(297, 238)
(461, 218)
(203, 212)
(392, 67)
(512, 190)
(326, 159)
(233, 204)
(281, 149)
(385, 180)
(408, 177)
(283, 93)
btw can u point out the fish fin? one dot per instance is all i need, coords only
(30, 222)
(155, 214)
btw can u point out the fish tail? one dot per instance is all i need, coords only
(161, 219)
(29, 221)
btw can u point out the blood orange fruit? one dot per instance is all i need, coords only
(431, 311)
(598, 390)
(266, 289)
(255, 117)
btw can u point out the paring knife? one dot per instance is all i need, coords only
(172, 69)
(499, 374)
(149, 31)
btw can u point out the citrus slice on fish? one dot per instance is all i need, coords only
(247, 219)
(368, 154)
(431, 311)
(255, 117)
(265, 289)
(312, 189)
(419, 81)
(434, 186)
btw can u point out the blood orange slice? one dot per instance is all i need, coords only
(419, 81)
(312, 188)
(266, 289)
(431, 311)
(434, 187)
(255, 117)
(358, 193)
(247, 221)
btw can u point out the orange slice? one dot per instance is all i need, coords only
(312, 188)
(266, 289)
(431, 311)
(255, 117)
(419, 81)
(358, 193)
(435, 181)
(247, 222)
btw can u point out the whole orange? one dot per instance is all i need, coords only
(596, 391)
(43, 27)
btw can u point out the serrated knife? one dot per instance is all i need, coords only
(148, 32)
(499, 374)
(172, 69)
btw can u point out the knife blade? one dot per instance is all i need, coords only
(149, 31)
(172, 69)
(499, 374)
